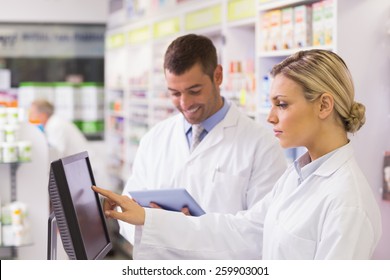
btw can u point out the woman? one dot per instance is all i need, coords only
(321, 208)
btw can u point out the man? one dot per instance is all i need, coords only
(63, 136)
(236, 161)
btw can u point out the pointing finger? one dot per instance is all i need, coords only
(109, 194)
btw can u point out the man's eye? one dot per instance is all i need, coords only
(175, 94)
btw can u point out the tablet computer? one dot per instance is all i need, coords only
(168, 199)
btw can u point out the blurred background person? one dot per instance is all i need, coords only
(62, 135)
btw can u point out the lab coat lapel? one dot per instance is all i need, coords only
(335, 161)
(217, 134)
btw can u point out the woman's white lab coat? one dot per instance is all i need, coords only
(235, 165)
(332, 214)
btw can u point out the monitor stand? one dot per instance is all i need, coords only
(52, 238)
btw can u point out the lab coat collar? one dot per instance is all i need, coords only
(333, 163)
(305, 167)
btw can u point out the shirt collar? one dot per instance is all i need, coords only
(305, 167)
(209, 123)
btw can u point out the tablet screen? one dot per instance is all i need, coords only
(168, 199)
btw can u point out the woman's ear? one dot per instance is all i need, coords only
(326, 103)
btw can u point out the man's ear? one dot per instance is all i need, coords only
(326, 105)
(218, 75)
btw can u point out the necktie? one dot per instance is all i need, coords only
(196, 131)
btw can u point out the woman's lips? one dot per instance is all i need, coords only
(277, 132)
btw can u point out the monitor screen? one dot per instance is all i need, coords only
(77, 208)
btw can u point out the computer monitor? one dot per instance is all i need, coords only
(77, 210)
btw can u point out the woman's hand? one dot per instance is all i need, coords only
(132, 212)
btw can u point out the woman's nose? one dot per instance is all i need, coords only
(272, 118)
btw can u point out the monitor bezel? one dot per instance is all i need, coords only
(66, 217)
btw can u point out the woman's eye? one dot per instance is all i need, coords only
(282, 105)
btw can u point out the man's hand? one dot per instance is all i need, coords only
(184, 210)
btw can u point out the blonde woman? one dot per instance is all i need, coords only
(321, 208)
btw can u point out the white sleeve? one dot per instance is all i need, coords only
(172, 235)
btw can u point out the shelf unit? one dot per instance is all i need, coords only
(266, 59)
(13, 167)
(134, 58)
(27, 182)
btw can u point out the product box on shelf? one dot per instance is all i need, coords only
(323, 23)
(5, 78)
(92, 101)
(12, 149)
(91, 108)
(302, 26)
(275, 30)
(3, 116)
(265, 44)
(264, 100)
(66, 96)
(11, 132)
(8, 97)
(15, 224)
(328, 17)
(11, 115)
(287, 28)
(318, 24)
(24, 151)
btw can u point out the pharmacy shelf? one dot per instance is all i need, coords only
(279, 4)
(249, 22)
(143, 42)
(285, 53)
(27, 182)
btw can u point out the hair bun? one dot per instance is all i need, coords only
(356, 117)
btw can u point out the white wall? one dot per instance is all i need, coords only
(364, 43)
(61, 11)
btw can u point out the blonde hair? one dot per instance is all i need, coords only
(320, 71)
(43, 106)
